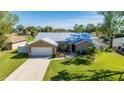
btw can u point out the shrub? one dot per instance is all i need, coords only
(89, 51)
(63, 47)
(84, 52)
(54, 55)
(108, 49)
(58, 55)
(78, 52)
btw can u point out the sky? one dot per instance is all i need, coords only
(58, 19)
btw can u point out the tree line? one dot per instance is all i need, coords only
(33, 30)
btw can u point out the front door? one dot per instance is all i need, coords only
(73, 48)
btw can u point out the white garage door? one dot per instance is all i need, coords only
(41, 51)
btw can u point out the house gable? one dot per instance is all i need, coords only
(41, 43)
(81, 46)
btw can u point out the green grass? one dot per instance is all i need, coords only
(106, 66)
(9, 61)
(30, 38)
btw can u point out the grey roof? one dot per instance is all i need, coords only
(121, 39)
(56, 36)
(50, 41)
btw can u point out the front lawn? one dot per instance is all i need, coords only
(9, 61)
(106, 66)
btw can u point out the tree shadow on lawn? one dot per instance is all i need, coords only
(101, 75)
(105, 75)
(120, 52)
(64, 75)
(86, 60)
(19, 56)
(14, 52)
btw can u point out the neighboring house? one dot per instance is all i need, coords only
(118, 43)
(13, 41)
(45, 43)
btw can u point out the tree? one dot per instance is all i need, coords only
(63, 46)
(32, 29)
(7, 22)
(90, 28)
(113, 21)
(60, 30)
(78, 28)
(20, 29)
(48, 29)
(99, 30)
(40, 29)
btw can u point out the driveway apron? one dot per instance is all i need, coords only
(32, 70)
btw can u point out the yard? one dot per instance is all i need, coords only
(9, 61)
(106, 66)
(30, 38)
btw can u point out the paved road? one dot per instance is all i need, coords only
(32, 70)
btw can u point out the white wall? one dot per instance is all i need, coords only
(22, 49)
(118, 42)
(95, 39)
(15, 45)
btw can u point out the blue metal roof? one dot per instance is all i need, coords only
(79, 37)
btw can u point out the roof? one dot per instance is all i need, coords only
(64, 36)
(78, 37)
(56, 36)
(52, 42)
(15, 39)
(81, 42)
(121, 39)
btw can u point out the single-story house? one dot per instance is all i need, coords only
(46, 43)
(13, 41)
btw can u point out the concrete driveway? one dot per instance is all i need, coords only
(32, 70)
